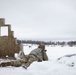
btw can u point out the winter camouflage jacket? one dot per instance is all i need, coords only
(40, 54)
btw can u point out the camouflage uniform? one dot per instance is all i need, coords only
(38, 54)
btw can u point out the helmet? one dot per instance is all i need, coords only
(42, 46)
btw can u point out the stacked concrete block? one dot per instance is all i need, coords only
(2, 21)
(8, 44)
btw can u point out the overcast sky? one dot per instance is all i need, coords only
(39, 19)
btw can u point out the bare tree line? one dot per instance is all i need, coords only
(63, 43)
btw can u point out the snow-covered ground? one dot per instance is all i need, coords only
(64, 66)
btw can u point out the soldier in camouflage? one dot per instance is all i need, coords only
(38, 54)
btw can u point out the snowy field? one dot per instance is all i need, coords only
(64, 66)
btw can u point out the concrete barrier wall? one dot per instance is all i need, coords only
(8, 44)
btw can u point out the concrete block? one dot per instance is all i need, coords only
(2, 21)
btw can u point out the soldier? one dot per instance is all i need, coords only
(38, 54)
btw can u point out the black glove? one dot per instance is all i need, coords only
(39, 60)
(45, 50)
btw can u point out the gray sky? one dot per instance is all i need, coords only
(39, 19)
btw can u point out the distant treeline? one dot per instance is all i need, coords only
(63, 43)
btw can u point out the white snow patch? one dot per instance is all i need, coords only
(50, 67)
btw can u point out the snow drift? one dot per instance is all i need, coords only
(62, 61)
